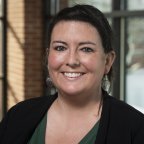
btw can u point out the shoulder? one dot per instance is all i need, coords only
(122, 121)
(123, 109)
(33, 104)
(30, 107)
(24, 117)
(29, 103)
(124, 115)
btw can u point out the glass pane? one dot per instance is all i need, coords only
(135, 63)
(103, 5)
(135, 4)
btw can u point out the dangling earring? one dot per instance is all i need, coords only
(105, 82)
(48, 79)
(49, 82)
(50, 85)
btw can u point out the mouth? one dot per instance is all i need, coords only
(73, 75)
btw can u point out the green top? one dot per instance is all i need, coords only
(38, 136)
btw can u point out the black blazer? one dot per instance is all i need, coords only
(119, 123)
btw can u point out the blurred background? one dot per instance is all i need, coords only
(23, 42)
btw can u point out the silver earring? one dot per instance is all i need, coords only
(105, 77)
(49, 82)
(105, 82)
(51, 88)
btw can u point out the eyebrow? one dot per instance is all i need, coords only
(81, 43)
(59, 41)
(87, 42)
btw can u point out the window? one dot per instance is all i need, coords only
(103, 5)
(127, 20)
(135, 62)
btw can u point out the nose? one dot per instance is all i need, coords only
(73, 59)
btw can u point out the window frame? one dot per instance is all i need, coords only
(3, 78)
(119, 15)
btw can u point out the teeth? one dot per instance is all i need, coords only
(72, 75)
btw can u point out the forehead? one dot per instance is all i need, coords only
(75, 29)
(70, 23)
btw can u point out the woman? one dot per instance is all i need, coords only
(80, 59)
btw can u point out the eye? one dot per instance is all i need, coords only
(60, 48)
(87, 49)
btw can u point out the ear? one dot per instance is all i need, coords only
(110, 57)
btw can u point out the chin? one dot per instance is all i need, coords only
(71, 92)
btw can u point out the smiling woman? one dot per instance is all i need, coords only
(77, 63)
(80, 56)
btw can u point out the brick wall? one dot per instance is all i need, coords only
(24, 50)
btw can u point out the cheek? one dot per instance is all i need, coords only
(55, 60)
(94, 64)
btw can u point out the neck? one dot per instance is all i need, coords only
(79, 104)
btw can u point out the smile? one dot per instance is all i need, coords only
(72, 74)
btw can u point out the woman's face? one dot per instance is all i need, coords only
(76, 60)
